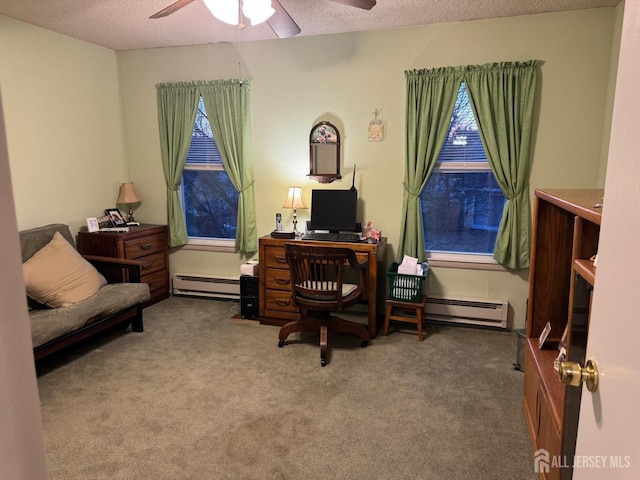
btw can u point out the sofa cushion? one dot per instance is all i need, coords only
(52, 323)
(58, 276)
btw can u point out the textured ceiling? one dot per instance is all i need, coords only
(125, 24)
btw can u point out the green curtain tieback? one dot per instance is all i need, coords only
(248, 186)
(410, 192)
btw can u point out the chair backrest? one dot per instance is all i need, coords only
(317, 276)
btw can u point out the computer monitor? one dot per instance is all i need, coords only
(334, 210)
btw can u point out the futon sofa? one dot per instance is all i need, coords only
(71, 296)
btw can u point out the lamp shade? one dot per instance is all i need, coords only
(294, 199)
(128, 194)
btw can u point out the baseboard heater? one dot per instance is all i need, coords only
(472, 311)
(214, 286)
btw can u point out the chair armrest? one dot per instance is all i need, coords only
(116, 270)
(362, 268)
(354, 263)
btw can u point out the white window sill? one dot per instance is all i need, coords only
(467, 262)
(214, 246)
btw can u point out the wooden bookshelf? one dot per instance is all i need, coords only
(565, 237)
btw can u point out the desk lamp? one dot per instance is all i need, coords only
(294, 200)
(129, 196)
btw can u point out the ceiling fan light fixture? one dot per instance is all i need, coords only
(257, 10)
(228, 11)
(224, 10)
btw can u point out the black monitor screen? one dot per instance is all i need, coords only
(333, 210)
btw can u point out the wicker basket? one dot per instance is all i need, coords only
(406, 288)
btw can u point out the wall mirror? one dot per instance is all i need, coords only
(324, 153)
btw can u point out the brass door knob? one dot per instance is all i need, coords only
(571, 373)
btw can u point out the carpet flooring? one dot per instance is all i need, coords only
(200, 395)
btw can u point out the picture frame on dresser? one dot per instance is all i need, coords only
(92, 224)
(116, 217)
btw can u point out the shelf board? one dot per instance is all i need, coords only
(581, 202)
(586, 270)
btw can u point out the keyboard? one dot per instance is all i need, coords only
(332, 237)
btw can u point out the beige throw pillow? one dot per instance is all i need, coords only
(58, 276)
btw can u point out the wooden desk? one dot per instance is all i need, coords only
(275, 289)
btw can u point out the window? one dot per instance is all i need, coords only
(462, 203)
(209, 199)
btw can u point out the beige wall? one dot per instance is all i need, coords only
(64, 125)
(295, 83)
(298, 81)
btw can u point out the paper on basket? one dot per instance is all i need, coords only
(409, 266)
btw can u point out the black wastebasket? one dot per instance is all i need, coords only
(521, 336)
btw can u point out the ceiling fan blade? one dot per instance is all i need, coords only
(365, 4)
(281, 22)
(174, 7)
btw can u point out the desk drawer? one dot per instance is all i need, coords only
(274, 257)
(280, 300)
(141, 247)
(278, 279)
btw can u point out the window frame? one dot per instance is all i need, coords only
(203, 243)
(462, 260)
(478, 261)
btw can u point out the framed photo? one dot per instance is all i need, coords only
(116, 217)
(104, 222)
(545, 333)
(92, 224)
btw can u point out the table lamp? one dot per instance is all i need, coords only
(294, 200)
(129, 196)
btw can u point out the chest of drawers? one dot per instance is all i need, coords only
(148, 243)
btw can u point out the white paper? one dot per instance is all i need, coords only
(409, 266)
(407, 269)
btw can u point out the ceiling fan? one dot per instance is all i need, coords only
(280, 22)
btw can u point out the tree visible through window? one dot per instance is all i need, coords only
(462, 203)
(209, 199)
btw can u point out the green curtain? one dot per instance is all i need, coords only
(177, 107)
(502, 99)
(431, 97)
(228, 108)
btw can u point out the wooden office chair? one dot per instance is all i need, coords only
(318, 288)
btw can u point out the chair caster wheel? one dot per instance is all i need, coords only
(323, 362)
(280, 343)
(364, 343)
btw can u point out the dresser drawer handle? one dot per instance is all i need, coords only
(282, 303)
(281, 259)
(282, 281)
(146, 246)
(147, 266)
